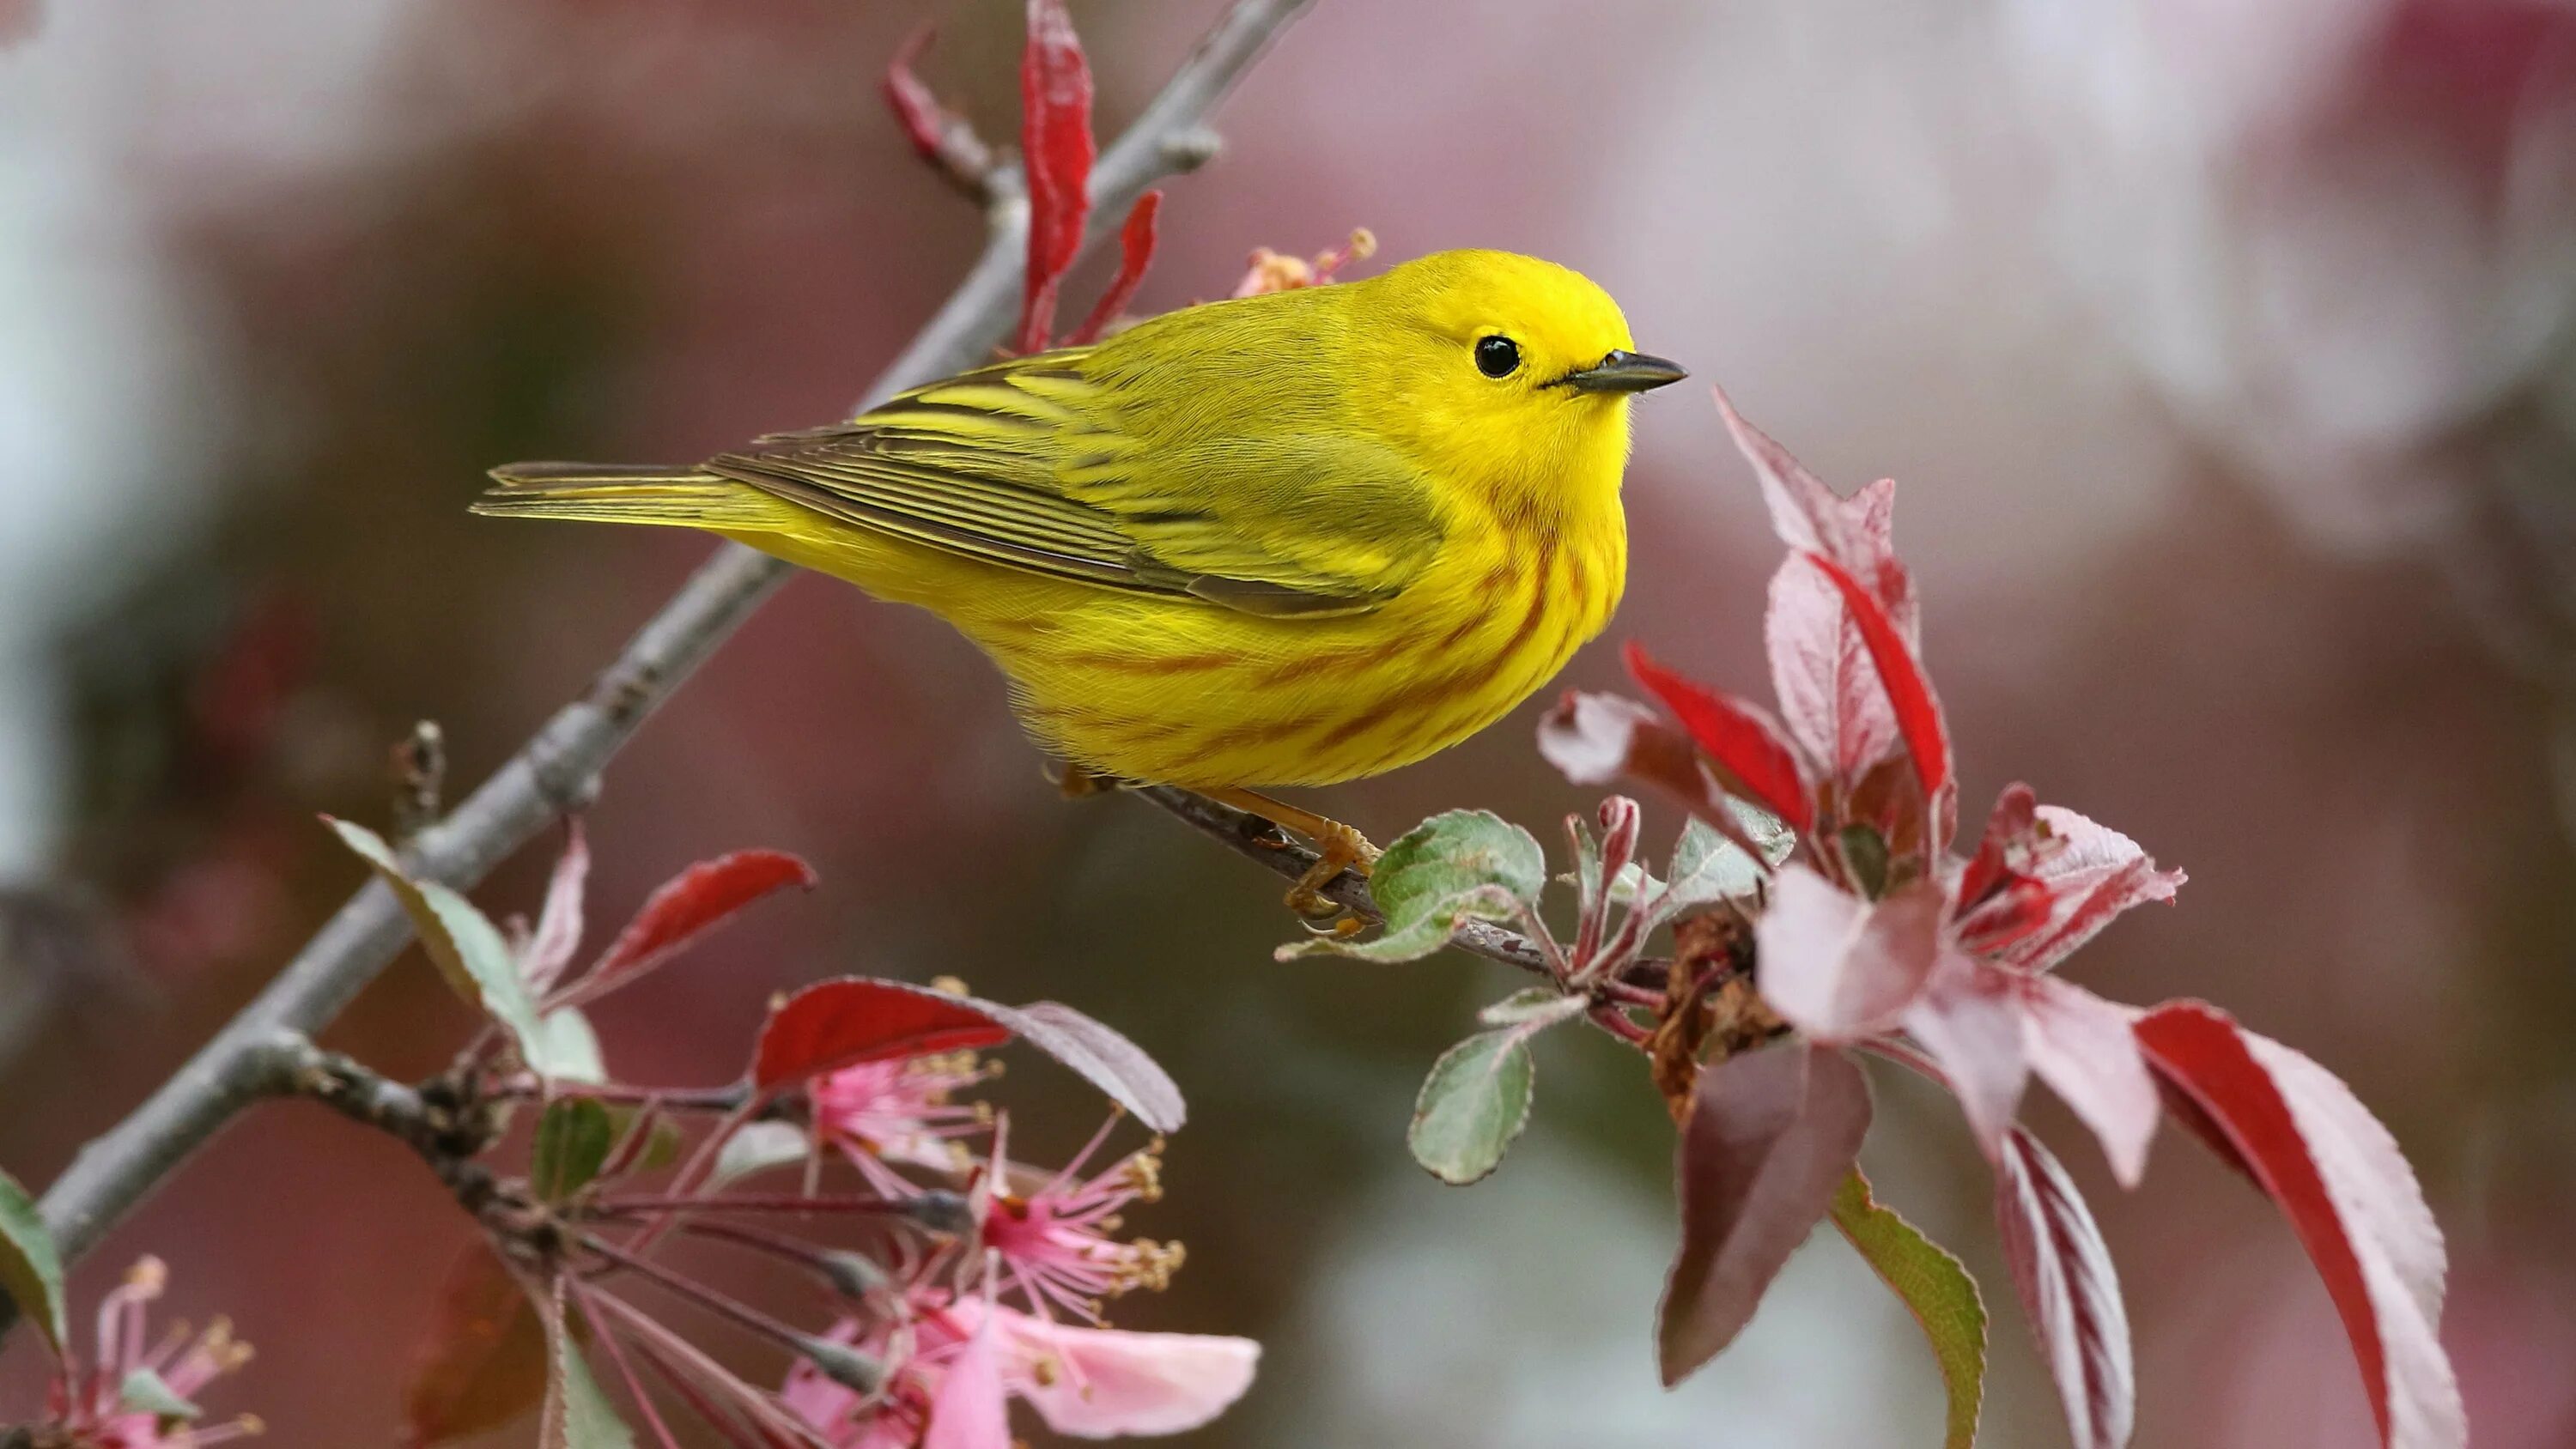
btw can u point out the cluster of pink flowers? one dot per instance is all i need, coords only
(1014, 1309)
(137, 1392)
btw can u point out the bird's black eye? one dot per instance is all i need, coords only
(1497, 356)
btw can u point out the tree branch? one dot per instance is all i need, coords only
(559, 768)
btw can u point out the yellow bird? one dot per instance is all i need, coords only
(1284, 540)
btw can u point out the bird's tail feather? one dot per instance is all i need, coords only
(610, 493)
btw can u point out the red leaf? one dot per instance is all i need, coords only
(2068, 1291)
(2008, 829)
(1970, 1019)
(2095, 874)
(483, 1363)
(1056, 149)
(1135, 250)
(1829, 692)
(855, 1019)
(915, 109)
(1769, 1137)
(1743, 740)
(1918, 713)
(1839, 968)
(690, 904)
(842, 1023)
(1598, 739)
(2082, 1047)
(2348, 1193)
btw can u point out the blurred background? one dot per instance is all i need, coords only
(2222, 349)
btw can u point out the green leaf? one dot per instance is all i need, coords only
(660, 1150)
(1865, 852)
(1707, 867)
(1465, 865)
(566, 1048)
(1413, 942)
(30, 1270)
(1544, 1005)
(464, 944)
(757, 1147)
(573, 1139)
(1473, 1104)
(1450, 855)
(1939, 1292)
(146, 1392)
(589, 1420)
(1632, 882)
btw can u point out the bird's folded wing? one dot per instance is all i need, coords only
(1027, 465)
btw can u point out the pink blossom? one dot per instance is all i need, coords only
(969, 1359)
(1053, 1243)
(136, 1396)
(901, 1112)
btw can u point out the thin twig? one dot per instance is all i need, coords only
(559, 768)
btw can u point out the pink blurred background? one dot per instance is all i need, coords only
(2222, 349)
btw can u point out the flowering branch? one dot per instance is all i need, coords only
(559, 767)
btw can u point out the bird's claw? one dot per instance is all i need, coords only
(1337, 848)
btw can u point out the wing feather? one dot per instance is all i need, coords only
(1034, 464)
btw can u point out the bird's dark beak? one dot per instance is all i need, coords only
(1625, 372)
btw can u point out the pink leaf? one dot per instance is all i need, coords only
(1135, 251)
(690, 904)
(1744, 741)
(2095, 874)
(1100, 1055)
(915, 109)
(842, 1023)
(1840, 968)
(2068, 1291)
(1056, 149)
(1970, 1019)
(2348, 1193)
(1857, 532)
(1600, 739)
(1107, 1383)
(1594, 738)
(2082, 1047)
(1918, 712)
(1829, 692)
(558, 932)
(969, 1411)
(1769, 1137)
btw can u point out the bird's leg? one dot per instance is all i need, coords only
(1337, 848)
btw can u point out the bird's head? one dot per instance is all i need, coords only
(1514, 368)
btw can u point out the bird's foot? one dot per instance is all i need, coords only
(1338, 848)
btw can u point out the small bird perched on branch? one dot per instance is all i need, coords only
(1283, 540)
